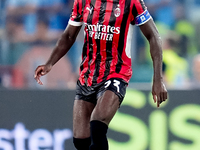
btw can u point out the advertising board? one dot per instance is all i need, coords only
(38, 120)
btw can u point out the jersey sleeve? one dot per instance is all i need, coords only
(76, 18)
(140, 13)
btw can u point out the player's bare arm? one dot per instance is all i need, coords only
(62, 47)
(150, 31)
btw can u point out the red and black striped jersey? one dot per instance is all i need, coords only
(105, 52)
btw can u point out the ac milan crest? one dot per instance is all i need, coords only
(117, 11)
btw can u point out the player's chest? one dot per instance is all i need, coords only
(105, 12)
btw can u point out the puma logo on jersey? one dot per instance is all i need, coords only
(90, 9)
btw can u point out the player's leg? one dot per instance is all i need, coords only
(102, 114)
(106, 107)
(81, 124)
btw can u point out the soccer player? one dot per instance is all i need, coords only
(105, 69)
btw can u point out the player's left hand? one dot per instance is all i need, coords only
(159, 92)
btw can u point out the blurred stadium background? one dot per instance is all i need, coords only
(40, 117)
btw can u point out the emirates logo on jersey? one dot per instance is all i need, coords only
(101, 32)
(117, 11)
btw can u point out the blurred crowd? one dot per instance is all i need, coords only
(29, 31)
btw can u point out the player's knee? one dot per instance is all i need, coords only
(100, 117)
(103, 116)
(82, 144)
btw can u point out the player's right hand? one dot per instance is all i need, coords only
(41, 71)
